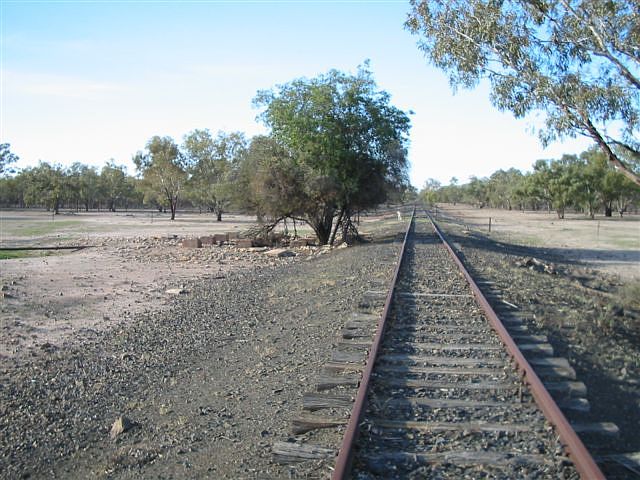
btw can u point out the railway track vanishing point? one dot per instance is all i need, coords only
(444, 390)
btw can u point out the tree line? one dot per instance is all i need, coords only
(336, 147)
(77, 187)
(584, 183)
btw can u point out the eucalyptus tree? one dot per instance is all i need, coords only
(212, 164)
(115, 185)
(557, 182)
(46, 185)
(575, 60)
(163, 170)
(6, 159)
(592, 168)
(12, 190)
(347, 140)
(87, 184)
(502, 188)
(614, 190)
(477, 191)
(429, 192)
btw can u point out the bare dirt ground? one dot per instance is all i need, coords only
(610, 245)
(135, 258)
(211, 378)
(207, 384)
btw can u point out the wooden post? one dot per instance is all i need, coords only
(489, 224)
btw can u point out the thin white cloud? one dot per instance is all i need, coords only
(61, 86)
(227, 70)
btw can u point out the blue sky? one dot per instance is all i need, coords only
(88, 81)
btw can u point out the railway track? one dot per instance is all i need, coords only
(446, 391)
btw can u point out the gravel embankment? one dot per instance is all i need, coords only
(206, 387)
(586, 318)
(439, 346)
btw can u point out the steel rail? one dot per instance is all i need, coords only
(345, 454)
(575, 449)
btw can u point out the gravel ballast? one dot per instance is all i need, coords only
(199, 391)
(585, 316)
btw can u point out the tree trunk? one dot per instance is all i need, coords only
(174, 206)
(335, 230)
(346, 223)
(321, 225)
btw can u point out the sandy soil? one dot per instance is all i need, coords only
(611, 245)
(136, 258)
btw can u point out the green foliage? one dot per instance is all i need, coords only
(6, 159)
(85, 183)
(45, 185)
(503, 188)
(430, 190)
(114, 184)
(585, 183)
(213, 165)
(163, 172)
(344, 138)
(270, 182)
(577, 61)
(555, 182)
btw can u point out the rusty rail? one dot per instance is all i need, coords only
(577, 452)
(345, 455)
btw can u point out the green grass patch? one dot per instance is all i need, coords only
(14, 254)
(44, 228)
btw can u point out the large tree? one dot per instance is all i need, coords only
(115, 184)
(163, 172)
(429, 192)
(46, 185)
(503, 188)
(347, 140)
(86, 182)
(270, 182)
(212, 165)
(557, 182)
(576, 60)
